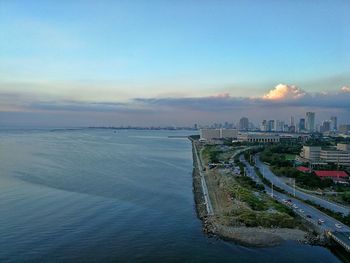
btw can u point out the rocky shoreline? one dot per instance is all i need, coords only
(247, 236)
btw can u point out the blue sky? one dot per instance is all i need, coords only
(97, 52)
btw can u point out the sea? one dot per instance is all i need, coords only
(106, 195)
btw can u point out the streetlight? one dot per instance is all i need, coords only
(294, 188)
(271, 188)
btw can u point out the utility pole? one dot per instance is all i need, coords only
(272, 189)
(263, 171)
(294, 188)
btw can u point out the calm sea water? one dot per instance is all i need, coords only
(100, 196)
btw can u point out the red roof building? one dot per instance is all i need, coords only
(331, 174)
(303, 169)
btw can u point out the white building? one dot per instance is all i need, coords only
(229, 133)
(310, 121)
(339, 155)
(258, 137)
(343, 147)
(212, 134)
(335, 156)
(311, 153)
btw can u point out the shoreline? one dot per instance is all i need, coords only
(242, 235)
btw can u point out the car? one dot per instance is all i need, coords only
(301, 210)
(338, 226)
(320, 221)
(295, 206)
(308, 216)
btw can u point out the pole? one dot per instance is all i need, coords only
(263, 171)
(272, 189)
(294, 188)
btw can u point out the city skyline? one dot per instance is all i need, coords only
(118, 63)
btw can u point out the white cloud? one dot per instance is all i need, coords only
(284, 92)
(345, 89)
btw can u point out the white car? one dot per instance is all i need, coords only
(321, 220)
(301, 210)
(338, 226)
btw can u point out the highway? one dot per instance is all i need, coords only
(308, 212)
(268, 174)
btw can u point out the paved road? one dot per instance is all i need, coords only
(329, 222)
(265, 170)
(203, 182)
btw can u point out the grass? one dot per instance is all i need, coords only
(260, 209)
(290, 157)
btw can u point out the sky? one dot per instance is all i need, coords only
(92, 63)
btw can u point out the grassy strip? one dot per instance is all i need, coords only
(262, 210)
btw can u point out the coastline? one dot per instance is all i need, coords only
(246, 236)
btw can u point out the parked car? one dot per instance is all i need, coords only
(308, 216)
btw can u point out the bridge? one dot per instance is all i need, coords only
(342, 238)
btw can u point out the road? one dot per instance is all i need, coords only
(210, 210)
(329, 222)
(268, 174)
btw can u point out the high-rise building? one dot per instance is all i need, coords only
(301, 125)
(271, 125)
(279, 125)
(334, 123)
(263, 126)
(326, 126)
(310, 121)
(244, 124)
(292, 121)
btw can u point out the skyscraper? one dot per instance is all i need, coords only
(326, 126)
(244, 124)
(279, 125)
(310, 121)
(334, 123)
(301, 125)
(263, 126)
(271, 125)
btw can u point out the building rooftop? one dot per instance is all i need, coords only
(331, 174)
(303, 169)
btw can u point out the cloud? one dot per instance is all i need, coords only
(345, 89)
(285, 92)
(280, 102)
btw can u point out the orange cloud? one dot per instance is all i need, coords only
(345, 89)
(284, 92)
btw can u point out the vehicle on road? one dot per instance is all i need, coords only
(320, 221)
(301, 210)
(338, 226)
(308, 216)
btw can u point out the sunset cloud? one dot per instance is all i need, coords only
(284, 92)
(345, 89)
(279, 102)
